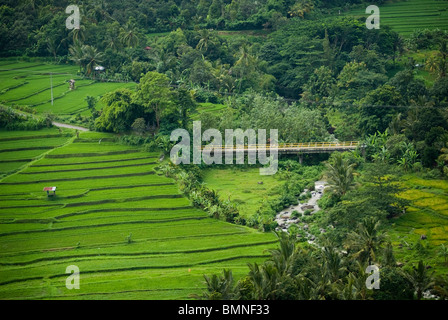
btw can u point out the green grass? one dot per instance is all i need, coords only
(28, 84)
(92, 214)
(242, 187)
(73, 102)
(420, 57)
(407, 16)
(207, 107)
(427, 215)
(17, 148)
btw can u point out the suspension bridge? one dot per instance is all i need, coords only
(294, 148)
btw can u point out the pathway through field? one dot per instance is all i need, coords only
(69, 126)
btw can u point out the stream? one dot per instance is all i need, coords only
(285, 219)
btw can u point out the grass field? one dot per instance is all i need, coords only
(29, 84)
(105, 194)
(242, 187)
(407, 16)
(428, 215)
(17, 148)
(203, 107)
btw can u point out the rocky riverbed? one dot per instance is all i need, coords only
(285, 217)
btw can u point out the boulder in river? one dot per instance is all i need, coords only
(307, 207)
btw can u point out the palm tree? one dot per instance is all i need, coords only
(245, 64)
(245, 60)
(366, 242)
(219, 287)
(31, 4)
(52, 47)
(443, 159)
(383, 155)
(92, 57)
(431, 63)
(420, 279)
(443, 56)
(205, 40)
(443, 252)
(411, 121)
(396, 124)
(275, 278)
(78, 33)
(340, 175)
(129, 36)
(388, 256)
(162, 59)
(284, 256)
(222, 73)
(164, 143)
(77, 54)
(439, 62)
(113, 43)
(356, 288)
(441, 286)
(332, 264)
(301, 7)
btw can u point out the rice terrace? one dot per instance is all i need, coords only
(87, 173)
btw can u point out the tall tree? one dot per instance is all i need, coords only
(366, 242)
(77, 54)
(155, 94)
(119, 112)
(206, 39)
(339, 175)
(92, 58)
(420, 279)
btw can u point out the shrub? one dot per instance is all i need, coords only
(328, 200)
(307, 212)
(12, 120)
(203, 95)
(133, 140)
(296, 214)
(394, 286)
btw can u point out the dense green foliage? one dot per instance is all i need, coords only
(128, 21)
(309, 68)
(309, 273)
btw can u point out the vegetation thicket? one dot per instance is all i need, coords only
(140, 227)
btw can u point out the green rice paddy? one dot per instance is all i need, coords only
(29, 84)
(19, 147)
(101, 201)
(407, 16)
(427, 215)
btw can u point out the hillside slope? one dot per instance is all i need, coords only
(130, 232)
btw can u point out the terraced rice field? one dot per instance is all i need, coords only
(29, 84)
(17, 148)
(407, 16)
(428, 215)
(207, 107)
(105, 194)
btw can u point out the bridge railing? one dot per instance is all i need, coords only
(305, 145)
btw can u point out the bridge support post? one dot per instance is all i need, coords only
(300, 158)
